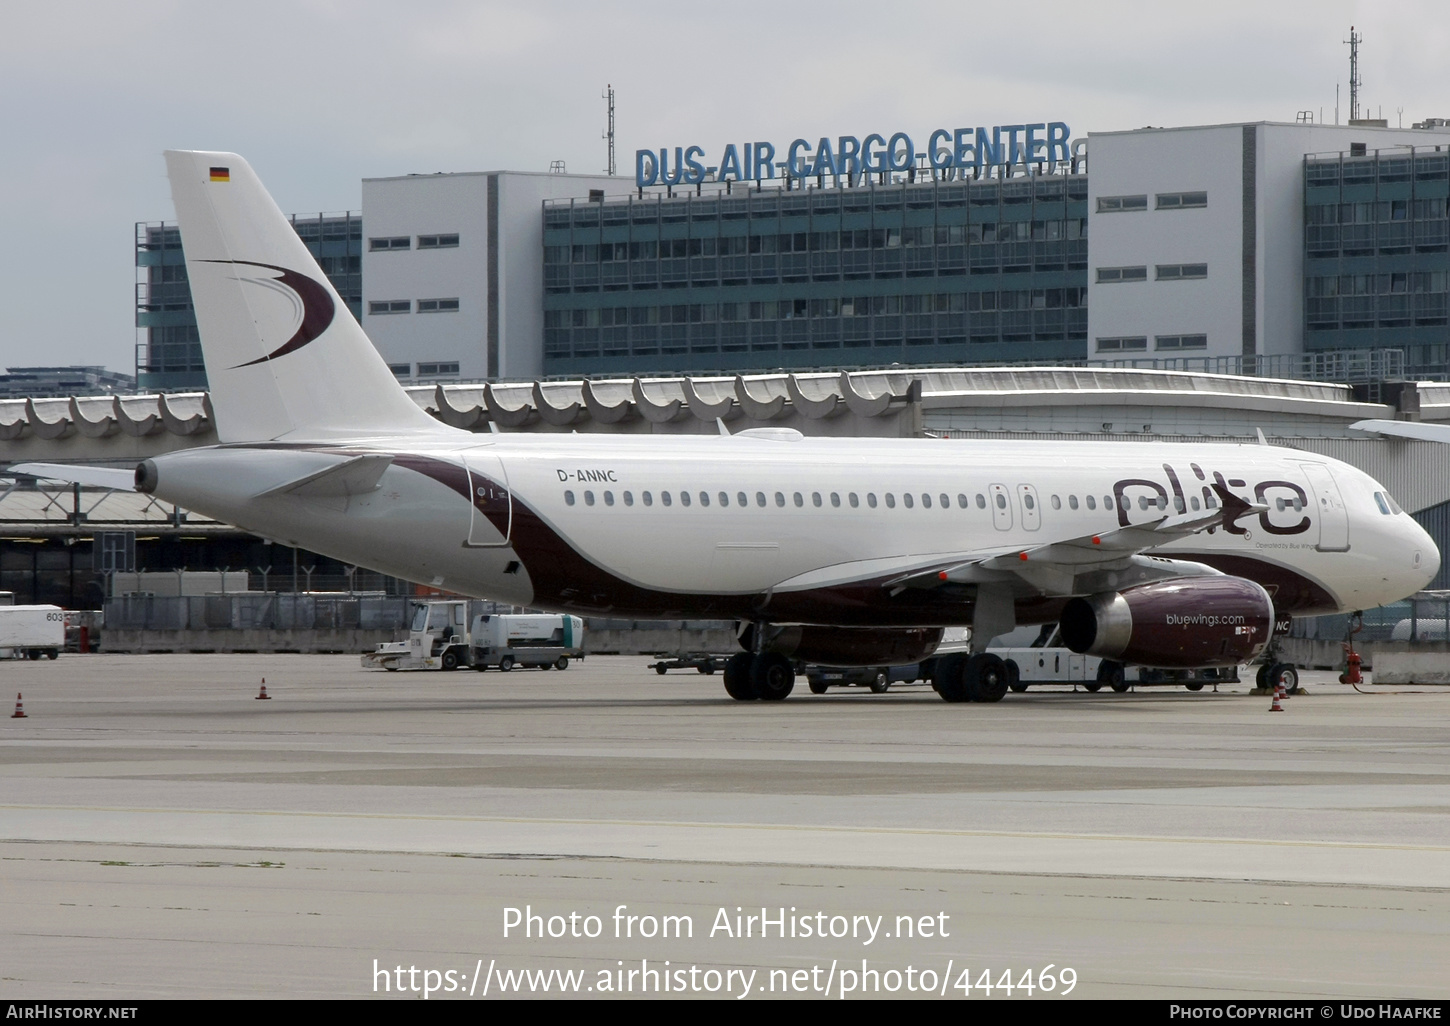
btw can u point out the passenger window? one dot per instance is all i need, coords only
(1056, 502)
(684, 498)
(1001, 501)
(1178, 503)
(925, 501)
(743, 499)
(588, 498)
(568, 497)
(981, 501)
(871, 499)
(704, 498)
(629, 498)
(1162, 502)
(906, 498)
(815, 498)
(780, 499)
(1193, 501)
(961, 500)
(724, 498)
(1142, 502)
(836, 499)
(1072, 502)
(1092, 503)
(664, 498)
(649, 500)
(798, 500)
(946, 501)
(609, 498)
(890, 501)
(759, 499)
(855, 502)
(1107, 502)
(1028, 501)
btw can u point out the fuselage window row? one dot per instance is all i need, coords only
(943, 500)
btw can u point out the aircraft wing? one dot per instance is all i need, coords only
(120, 479)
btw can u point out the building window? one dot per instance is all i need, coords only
(1181, 200)
(438, 370)
(1176, 343)
(1107, 275)
(397, 242)
(401, 370)
(437, 305)
(437, 242)
(1118, 204)
(1130, 344)
(1181, 272)
(390, 306)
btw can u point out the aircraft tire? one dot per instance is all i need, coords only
(773, 677)
(1284, 673)
(737, 677)
(946, 679)
(986, 678)
(1261, 678)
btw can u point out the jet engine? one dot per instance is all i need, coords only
(1188, 622)
(853, 646)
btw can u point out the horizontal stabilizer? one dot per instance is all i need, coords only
(356, 476)
(122, 479)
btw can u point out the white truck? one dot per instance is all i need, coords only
(29, 632)
(442, 638)
(1047, 661)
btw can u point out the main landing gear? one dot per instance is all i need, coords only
(983, 677)
(768, 676)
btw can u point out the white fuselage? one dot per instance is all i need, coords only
(797, 530)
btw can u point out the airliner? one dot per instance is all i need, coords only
(831, 550)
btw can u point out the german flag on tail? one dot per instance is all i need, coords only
(221, 174)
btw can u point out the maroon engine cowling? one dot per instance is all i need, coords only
(857, 646)
(1187, 622)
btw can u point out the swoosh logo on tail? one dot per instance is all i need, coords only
(318, 309)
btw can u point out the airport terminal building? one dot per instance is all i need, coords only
(1234, 248)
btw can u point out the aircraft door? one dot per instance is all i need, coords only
(1333, 517)
(1001, 501)
(1031, 511)
(492, 523)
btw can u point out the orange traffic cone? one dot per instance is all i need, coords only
(1278, 693)
(264, 696)
(19, 713)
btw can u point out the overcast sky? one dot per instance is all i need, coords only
(318, 94)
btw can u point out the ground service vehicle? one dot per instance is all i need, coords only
(29, 632)
(531, 639)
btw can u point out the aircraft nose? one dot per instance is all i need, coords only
(1424, 555)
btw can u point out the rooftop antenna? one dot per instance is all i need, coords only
(1354, 81)
(609, 132)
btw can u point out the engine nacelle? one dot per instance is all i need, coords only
(856, 646)
(1187, 622)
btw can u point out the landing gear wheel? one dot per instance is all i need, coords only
(737, 677)
(773, 676)
(449, 660)
(1286, 674)
(1111, 674)
(818, 687)
(660, 669)
(1195, 686)
(986, 678)
(505, 664)
(946, 679)
(1014, 677)
(562, 663)
(881, 684)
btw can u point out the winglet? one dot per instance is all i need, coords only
(1233, 507)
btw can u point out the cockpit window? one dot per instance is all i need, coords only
(1384, 506)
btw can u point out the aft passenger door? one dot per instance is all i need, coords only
(492, 523)
(1001, 501)
(1031, 511)
(1333, 517)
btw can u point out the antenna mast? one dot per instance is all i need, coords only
(609, 133)
(1354, 83)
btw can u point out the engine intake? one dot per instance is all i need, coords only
(1189, 622)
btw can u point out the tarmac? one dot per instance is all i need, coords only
(163, 834)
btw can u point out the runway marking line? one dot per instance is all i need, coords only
(823, 828)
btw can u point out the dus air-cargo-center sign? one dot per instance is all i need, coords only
(849, 155)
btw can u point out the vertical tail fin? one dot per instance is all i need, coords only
(284, 356)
